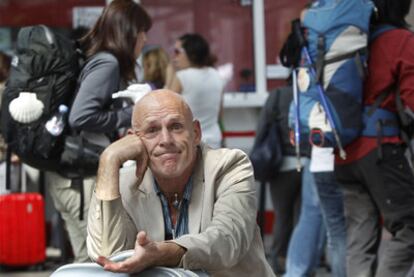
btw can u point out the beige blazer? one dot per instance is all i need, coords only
(223, 238)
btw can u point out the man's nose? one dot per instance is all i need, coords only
(165, 136)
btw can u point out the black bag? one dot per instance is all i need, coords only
(266, 155)
(291, 51)
(46, 64)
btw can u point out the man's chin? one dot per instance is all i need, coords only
(167, 171)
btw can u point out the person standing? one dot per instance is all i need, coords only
(155, 62)
(111, 48)
(376, 177)
(199, 83)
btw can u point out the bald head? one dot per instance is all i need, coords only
(164, 122)
(161, 100)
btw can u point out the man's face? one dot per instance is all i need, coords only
(169, 135)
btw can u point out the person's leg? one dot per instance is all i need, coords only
(305, 247)
(331, 201)
(362, 219)
(285, 193)
(391, 184)
(411, 272)
(67, 202)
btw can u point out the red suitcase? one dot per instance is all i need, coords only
(22, 229)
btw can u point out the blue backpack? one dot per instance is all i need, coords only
(329, 71)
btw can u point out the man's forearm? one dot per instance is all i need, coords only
(107, 184)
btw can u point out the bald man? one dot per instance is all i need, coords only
(182, 204)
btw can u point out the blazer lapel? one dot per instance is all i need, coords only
(151, 209)
(196, 203)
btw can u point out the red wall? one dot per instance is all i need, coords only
(225, 23)
(54, 13)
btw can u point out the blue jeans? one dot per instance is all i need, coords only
(308, 238)
(332, 205)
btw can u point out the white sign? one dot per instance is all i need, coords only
(85, 16)
(5, 39)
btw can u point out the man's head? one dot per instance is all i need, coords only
(164, 122)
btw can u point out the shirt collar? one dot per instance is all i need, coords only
(187, 190)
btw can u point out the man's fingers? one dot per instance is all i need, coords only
(108, 265)
(102, 261)
(142, 238)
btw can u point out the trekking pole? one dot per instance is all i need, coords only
(342, 153)
(297, 119)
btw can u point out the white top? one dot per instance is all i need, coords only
(202, 89)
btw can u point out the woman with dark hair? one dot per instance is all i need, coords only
(111, 48)
(376, 177)
(199, 83)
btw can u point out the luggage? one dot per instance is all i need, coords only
(331, 72)
(22, 229)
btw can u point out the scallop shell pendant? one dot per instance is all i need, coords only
(303, 79)
(26, 108)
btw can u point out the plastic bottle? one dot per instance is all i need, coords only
(56, 124)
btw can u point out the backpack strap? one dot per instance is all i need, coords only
(379, 30)
(320, 59)
(380, 122)
(388, 123)
(8, 167)
(321, 62)
(79, 180)
(404, 117)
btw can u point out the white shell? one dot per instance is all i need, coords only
(26, 108)
(303, 79)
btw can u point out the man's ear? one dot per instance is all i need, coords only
(197, 132)
(130, 131)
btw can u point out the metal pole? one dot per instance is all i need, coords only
(259, 46)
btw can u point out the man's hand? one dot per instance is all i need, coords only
(144, 257)
(127, 148)
(147, 253)
(130, 147)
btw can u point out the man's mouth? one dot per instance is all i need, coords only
(167, 154)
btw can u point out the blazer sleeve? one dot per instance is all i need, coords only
(91, 109)
(229, 235)
(110, 229)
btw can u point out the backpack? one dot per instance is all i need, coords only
(266, 155)
(379, 122)
(329, 72)
(47, 65)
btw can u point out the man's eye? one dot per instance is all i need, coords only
(177, 126)
(151, 130)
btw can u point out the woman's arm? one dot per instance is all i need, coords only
(92, 109)
(172, 82)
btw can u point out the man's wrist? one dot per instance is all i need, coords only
(171, 254)
(107, 183)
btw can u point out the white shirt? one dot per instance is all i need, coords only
(202, 89)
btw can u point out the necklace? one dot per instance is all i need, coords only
(176, 203)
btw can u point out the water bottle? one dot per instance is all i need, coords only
(56, 124)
